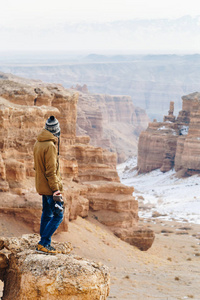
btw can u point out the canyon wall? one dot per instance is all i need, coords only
(175, 142)
(89, 173)
(152, 81)
(112, 122)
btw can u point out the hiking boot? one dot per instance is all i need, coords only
(46, 249)
(52, 248)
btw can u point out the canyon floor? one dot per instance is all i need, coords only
(168, 270)
(166, 194)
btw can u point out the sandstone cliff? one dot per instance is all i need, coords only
(89, 173)
(112, 122)
(175, 142)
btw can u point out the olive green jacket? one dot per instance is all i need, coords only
(47, 177)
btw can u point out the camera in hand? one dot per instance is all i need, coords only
(57, 198)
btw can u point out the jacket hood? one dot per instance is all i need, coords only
(46, 135)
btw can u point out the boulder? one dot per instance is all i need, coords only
(30, 275)
(141, 238)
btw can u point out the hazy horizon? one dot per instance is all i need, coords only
(156, 36)
(120, 26)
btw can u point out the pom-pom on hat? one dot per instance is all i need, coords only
(53, 126)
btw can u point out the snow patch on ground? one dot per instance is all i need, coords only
(174, 198)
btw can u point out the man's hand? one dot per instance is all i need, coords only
(57, 196)
(56, 193)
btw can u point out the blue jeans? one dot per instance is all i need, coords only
(50, 220)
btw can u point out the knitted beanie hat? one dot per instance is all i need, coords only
(53, 126)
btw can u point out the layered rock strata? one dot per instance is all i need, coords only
(112, 122)
(157, 147)
(89, 173)
(175, 142)
(29, 275)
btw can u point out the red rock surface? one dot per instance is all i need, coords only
(175, 142)
(89, 173)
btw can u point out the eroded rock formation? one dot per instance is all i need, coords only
(151, 80)
(175, 142)
(112, 122)
(30, 275)
(89, 173)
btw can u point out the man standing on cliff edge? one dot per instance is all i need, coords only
(48, 183)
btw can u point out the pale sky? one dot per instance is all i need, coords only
(73, 25)
(23, 12)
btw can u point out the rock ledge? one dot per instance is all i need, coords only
(30, 275)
